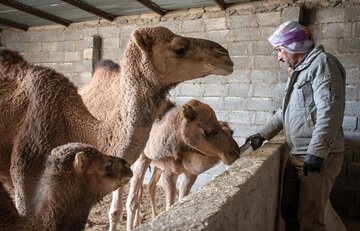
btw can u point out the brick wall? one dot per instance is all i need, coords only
(248, 97)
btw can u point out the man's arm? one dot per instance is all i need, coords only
(274, 126)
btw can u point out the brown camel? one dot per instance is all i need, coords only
(42, 109)
(103, 78)
(192, 164)
(75, 178)
(192, 127)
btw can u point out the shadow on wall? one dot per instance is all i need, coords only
(345, 195)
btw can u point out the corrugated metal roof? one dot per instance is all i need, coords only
(64, 10)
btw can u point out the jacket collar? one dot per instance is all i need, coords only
(307, 60)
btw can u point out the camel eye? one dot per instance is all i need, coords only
(180, 52)
(209, 134)
(178, 45)
(109, 170)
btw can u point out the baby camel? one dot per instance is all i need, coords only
(192, 127)
(192, 164)
(75, 178)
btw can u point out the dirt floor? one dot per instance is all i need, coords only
(99, 214)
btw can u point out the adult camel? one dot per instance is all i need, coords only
(41, 108)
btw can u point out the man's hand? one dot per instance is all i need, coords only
(256, 141)
(312, 164)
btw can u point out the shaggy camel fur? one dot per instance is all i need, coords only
(192, 127)
(192, 164)
(42, 109)
(75, 178)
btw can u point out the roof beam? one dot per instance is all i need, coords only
(11, 23)
(221, 4)
(30, 10)
(149, 4)
(91, 9)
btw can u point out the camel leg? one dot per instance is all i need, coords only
(116, 208)
(24, 192)
(20, 200)
(186, 185)
(152, 189)
(169, 180)
(139, 169)
(24, 182)
(136, 218)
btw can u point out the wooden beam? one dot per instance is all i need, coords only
(11, 23)
(91, 9)
(149, 4)
(221, 4)
(30, 10)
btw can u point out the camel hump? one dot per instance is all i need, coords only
(11, 63)
(106, 64)
(10, 57)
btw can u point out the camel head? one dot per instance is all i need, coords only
(99, 173)
(202, 131)
(175, 58)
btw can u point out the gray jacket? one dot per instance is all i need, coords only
(313, 108)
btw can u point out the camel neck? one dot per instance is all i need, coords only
(140, 101)
(170, 145)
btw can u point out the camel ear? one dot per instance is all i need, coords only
(189, 113)
(142, 40)
(81, 162)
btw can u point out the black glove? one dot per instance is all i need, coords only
(312, 164)
(256, 141)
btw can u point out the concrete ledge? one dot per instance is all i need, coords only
(245, 197)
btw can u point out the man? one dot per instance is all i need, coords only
(311, 117)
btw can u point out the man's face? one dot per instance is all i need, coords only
(284, 56)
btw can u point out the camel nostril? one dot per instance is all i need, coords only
(236, 150)
(124, 163)
(222, 51)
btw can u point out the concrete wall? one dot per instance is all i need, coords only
(245, 197)
(248, 97)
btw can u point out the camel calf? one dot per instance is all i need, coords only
(75, 178)
(193, 163)
(192, 127)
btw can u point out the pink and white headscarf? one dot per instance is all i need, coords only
(292, 36)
